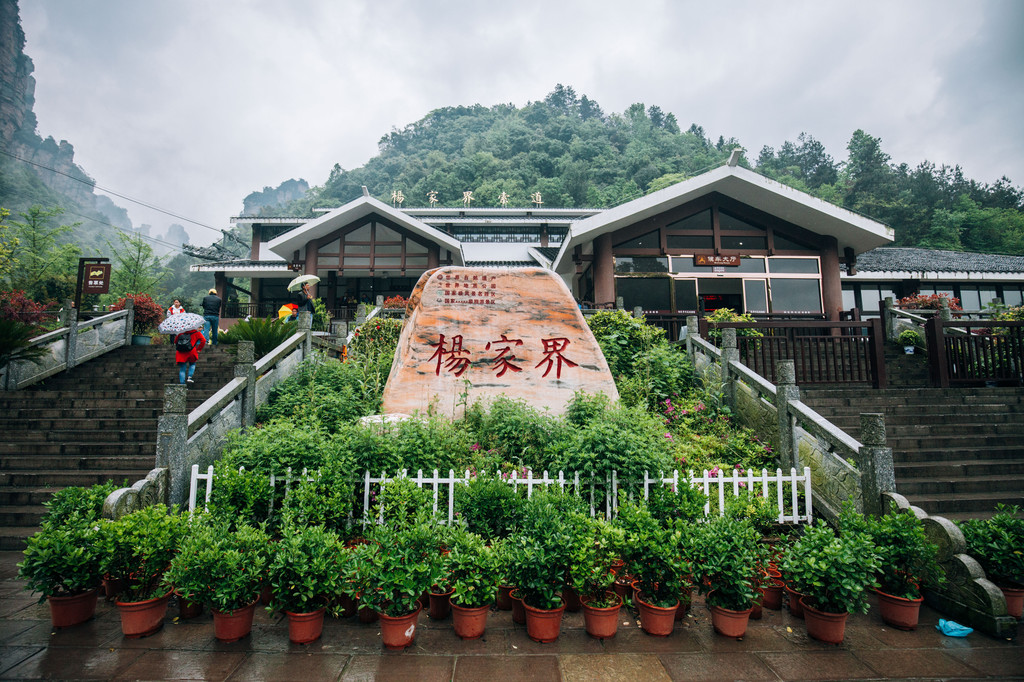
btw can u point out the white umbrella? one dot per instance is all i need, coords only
(297, 283)
(182, 322)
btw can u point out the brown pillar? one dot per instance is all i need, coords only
(254, 250)
(433, 256)
(604, 270)
(311, 265)
(220, 283)
(831, 285)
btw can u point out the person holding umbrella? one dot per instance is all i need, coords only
(188, 341)
(301, 284)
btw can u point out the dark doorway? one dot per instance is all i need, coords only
(720, 293)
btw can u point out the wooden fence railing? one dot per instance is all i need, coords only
(964, 353)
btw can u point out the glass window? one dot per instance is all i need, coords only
(685, 264)
(332, 247)
(756, 296)
(698, 222)
(379, 262)
(323, 261)
(1012, 296)
(686, 295)
(849, 298)
(729, 222)
(386, 234)
(689, 242)
(793, 265)
(357, 248)
(387, 248)
(414, 247)
(749, 265)
(650, 293)
(356, 262)
(870, 298)
(651, 240)
(415, 261)
(988, 294)
(630, 264)
(795, 295)
(969, 298)
(738, 243)
(784, 243)
(360, 234)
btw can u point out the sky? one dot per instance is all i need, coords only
(190, 105)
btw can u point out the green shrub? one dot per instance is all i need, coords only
(666, 505)
(304, 570)
(62, 560)
(323, 499)
(138, 547)
(377, 338)
(277, 445)
(622, 337)
(322, 393)
(265, 334)
(517, 432)
(474, 574)
(725, 556)
(489, 506)
(402, 504)
(997, 544)
(240, 497)
(74, 502)
(729, 315)
(833, 573)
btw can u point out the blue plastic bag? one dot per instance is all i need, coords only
(953, 629)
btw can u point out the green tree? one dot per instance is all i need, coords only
(41, 266)
(8, 242)
(136, 269)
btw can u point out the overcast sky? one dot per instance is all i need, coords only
(191, 104)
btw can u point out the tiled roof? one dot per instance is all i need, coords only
(908, 259)
(548, 252)
(501, 264)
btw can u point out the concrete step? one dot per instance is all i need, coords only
(21, 515)
(12, 538)
(78, 449)
(62, 479)
(124, 423)
(944, 503)
(929, 469)
(36, 462)
(927, 486)
(10, 495)
(963, 454)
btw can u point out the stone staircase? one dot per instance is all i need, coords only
(957, 452)
(93, 423)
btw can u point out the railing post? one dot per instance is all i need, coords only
(244, 367)
(620, 304)
(692, 330)
(638, 312)
(729, 354)
(360, 314)
(938, 364)
(305, 326)
(129, 322)
(878, 354)
(172, 440)
(889, 319)
(874, 460)
(71, 347)
(944, 312)
(786, 391)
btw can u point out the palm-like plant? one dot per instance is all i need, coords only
(266, 335)
(16, 343)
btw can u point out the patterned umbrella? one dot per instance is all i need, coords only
(182, 322)
(297, 283)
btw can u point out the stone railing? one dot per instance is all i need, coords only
(71, 345)
(185, 438)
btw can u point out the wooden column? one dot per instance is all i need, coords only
(254, 250)
(311, 264)
(604, 270)
(831, 285)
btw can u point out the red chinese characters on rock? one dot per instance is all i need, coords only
(455, 359)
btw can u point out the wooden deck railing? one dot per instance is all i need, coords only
(965, 353)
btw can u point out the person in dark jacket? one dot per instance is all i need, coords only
(187, 359)
(211, 313)
(306, 300)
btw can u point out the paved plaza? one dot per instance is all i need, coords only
(775, 648)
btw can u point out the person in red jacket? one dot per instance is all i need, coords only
(186, 353)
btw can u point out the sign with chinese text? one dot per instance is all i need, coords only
(727, 261)
(97, 278)
(476, 334)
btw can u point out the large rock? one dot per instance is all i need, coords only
(477, 333)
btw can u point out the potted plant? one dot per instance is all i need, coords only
(146, 315)
(909, 339)
(223, 569)
(503, 601)
(441, 589)
(62, 564)
(726, 555)
(304, 578)
(832, 573)
(474, 577)
(658, 566)
(137, 549)
(996, 543)
(539, 570)
(592, 577)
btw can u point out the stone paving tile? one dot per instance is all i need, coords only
(915, 663)
(518, 668)
(614, 668)
(444, 641)
(817, 665)
(1008, 661)
(10, 656)
(182, 665)
(631, 639)
(94, 633)
(397, 666)
(89, 663)
(290, 667)
(711, 667)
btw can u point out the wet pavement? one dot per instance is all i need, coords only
(774, 648)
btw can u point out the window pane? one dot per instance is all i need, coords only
(686, 296)
(685, 264)
(629, 264)
(689, 242)
(650, 293)
(331, 248)
(414, 247)
(647, 241)
(870, 298)
(1012, 296)
(700, 221)
(357, 262)
(795, 296)
(357, 248)
(784, 243)
(415, 261)
(737, 243)
(969, 298)
(326, 261)
(360, 234)
(387, 248)
(849, 299)
(389, 262)
(757, 297)
(386, 234)
(988, 294)
(728, 222)
(749, 265)
(793, 265)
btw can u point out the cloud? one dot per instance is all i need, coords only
(191, 105)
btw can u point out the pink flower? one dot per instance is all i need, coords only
(742, 484)
(668, 435)
(474, 447)
(714, 472)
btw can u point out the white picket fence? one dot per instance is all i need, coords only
(782, 488)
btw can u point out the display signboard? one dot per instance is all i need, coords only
(720, 261)
(97, 278)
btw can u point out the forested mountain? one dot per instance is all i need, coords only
(575, 155)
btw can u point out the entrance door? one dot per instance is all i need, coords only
(720, 293)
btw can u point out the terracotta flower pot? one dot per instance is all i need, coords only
(623, 587)
(440, 605)
(304, 628)
(1014, 601)
(656, 620)
(684, 604)
(543, 625)
(348, 606)
(518, 610)
(755, 608)
(398, 632)
(898, 612)
(602, 622)
(571, 599)
(367, 615)
(266, 594)
(773, 595)
(231, 626)
(796, 609)
(72, 610)
(824, 626)
(188, 609)
(143, 618)
(113, 587)
(504, 597)
(469, 622)
(730, 623)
